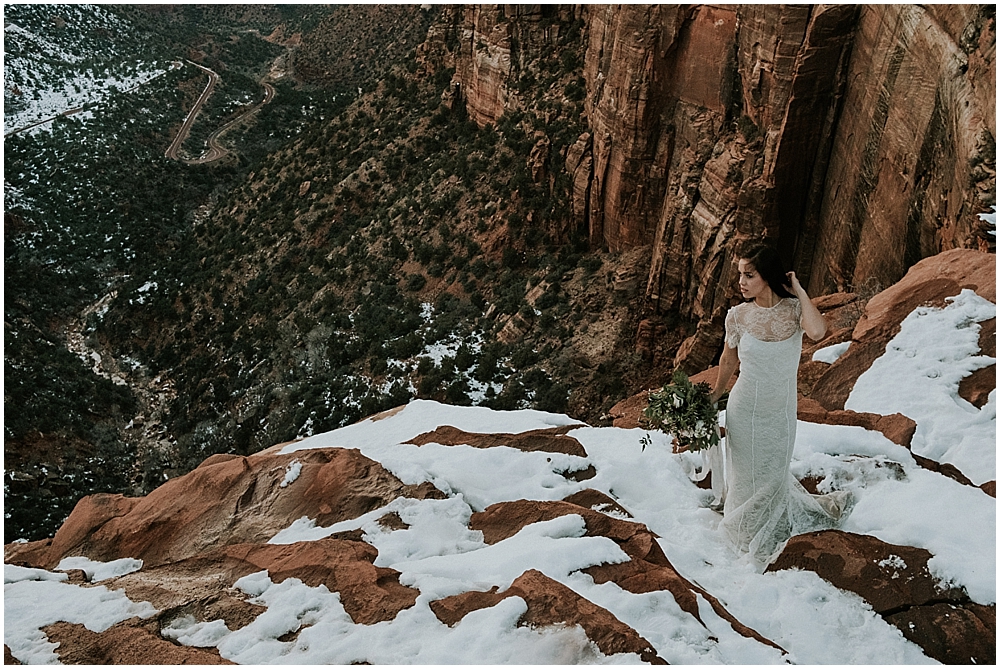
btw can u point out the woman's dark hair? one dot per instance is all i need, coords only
(768, 264)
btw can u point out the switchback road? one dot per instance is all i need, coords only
(175, 146)
(215, 149)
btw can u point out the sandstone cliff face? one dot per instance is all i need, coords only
(860, 140)
(491, 47)
(913, 156)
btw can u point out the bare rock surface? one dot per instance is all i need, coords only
(951, 634)
(887, 576)
(177, 520)
(627, 414)
(598, 501)
(896, 582)
(551, 603)
(551, 440)
(897, 428)
(977, 387)
(912, 105)
(27, 554)
(864, 144)
(131, 642)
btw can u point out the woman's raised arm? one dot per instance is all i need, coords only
(812, 321)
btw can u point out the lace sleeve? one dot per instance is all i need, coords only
(733, 332)
(798, 313)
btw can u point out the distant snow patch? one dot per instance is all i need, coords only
(991, 218)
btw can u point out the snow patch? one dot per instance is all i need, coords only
(831, 354)
(292, 472)
(31, 605)
(99, 571)
(14, 574)
(923, 365)
(990, 218)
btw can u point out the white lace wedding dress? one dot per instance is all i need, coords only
(763, 503)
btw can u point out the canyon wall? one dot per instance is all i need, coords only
(913, 159)
(858, 138)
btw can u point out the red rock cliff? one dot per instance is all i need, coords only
(860, 139)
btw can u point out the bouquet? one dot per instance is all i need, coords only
(686, 411)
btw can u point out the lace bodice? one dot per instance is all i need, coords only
(769, 324)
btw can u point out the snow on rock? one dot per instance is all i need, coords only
(549, 603)
(15, 574)
(437, 551)
(811, 619)
(398, 426)
(100, 571)
(929, 282)
(329, 636)
(954, 522)
(830, 354)
(482, 476)
(896, 581)
(292, 472)
(239, 498)
(888, 576)
(30, 605)
(924, 364)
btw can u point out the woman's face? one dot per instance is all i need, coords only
(752, 284)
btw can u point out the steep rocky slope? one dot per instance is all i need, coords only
(439, 534)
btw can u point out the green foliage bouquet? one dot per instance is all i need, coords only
(686, 411)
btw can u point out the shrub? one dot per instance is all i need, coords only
(523, 356)
(591, 264)
(548, 299)
(464, 358)
(415, 282)
(511, 258)
(457, 393)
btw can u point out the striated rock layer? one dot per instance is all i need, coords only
(860, 139)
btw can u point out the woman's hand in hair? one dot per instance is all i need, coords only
(794, 287)
(812, 321)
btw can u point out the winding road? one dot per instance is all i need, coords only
(215, 149)
(182, 134)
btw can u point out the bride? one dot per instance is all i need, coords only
(764, 504)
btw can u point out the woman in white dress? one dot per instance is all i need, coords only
(764, 504)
